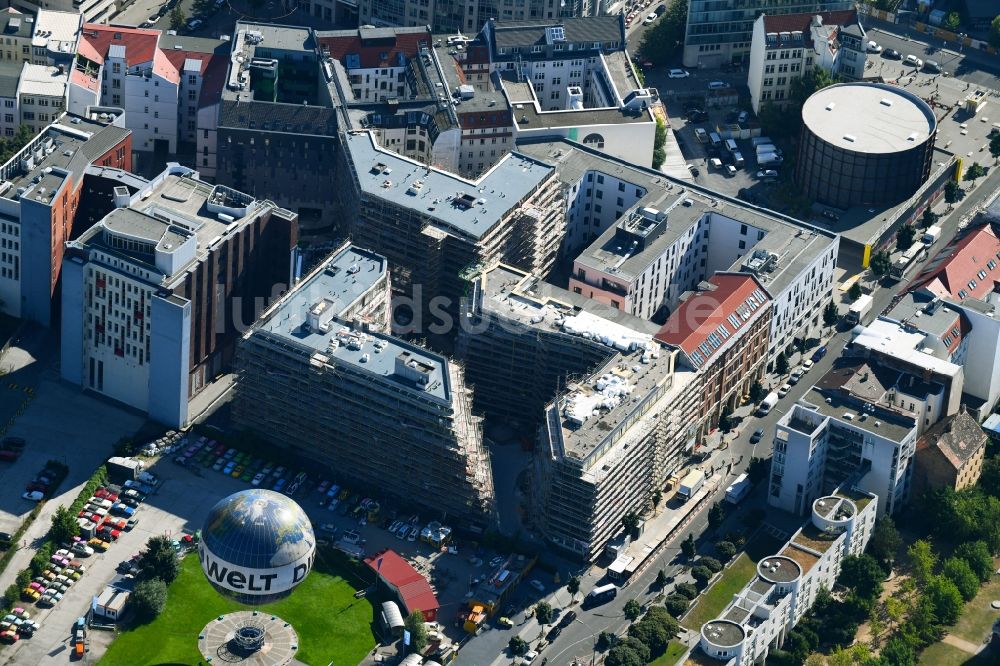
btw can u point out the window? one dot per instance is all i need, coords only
(595, 141)
(972, 284)
(991, 264)
(982, 275)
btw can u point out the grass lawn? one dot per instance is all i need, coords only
(333, 626)
(674, 652)
(977, 616)
(942, 654)
(718, 596)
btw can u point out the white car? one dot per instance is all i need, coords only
(258, 478)
(33, 496)
(678, 73)
(529, 657)
(914, 60)
(730, 170)
(796, 375)
(783, 391)
(874, 48)
(767, 173)
(649, 19)
(807, 365)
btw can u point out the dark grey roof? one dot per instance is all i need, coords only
(509, 34)
(10, 74)
(853, 29)
(194, 44)
(15, 24)
(273, 117)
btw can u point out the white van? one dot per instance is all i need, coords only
(715, 139)
(731, 146)
(717, 85)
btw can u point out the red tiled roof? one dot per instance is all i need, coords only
(96, 39)
(414, 589)
(378, 54)
(81, 79)
(708, 313)
(955, 267)
(803, 20)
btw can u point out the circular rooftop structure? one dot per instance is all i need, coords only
(256, 546)
(779, 569)
(721, 634)
(833, 512)
(864, 144)
(225, 640)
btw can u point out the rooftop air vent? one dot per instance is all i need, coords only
(885, 102)
(849, 137)
(829, 107)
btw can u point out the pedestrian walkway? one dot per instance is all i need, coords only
(962, 644)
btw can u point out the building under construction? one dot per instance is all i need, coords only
(383, 413)
(433, 226)
(522, 339)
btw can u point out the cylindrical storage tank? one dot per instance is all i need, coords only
(722, 639)
(864, 144)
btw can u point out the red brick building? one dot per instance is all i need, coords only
(950, 454)
(722, 332)
(408, 584)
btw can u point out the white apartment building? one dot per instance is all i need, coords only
(41, 94)
(846, 429)
(91, 11)
(786, 47)
(785, 587)
(159, 86)
(56, 36)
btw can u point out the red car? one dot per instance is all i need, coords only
(115, 523)
(101, 493)
(109, 534)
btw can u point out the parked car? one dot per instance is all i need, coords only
(567, 619)
(873, 47)
(796, 375)
(194, 24)
(678, 73)
(33, 496)
(783, 391)
(914, 60)
(818, 354)
(649, 19)
(757, 435)
(765, 174)
(807, 365)
(892, 54)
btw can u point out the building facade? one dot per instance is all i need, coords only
(155, 295)
(721, 31)
(950, 454)
(786, 584)
(786, 47)
(382, 412)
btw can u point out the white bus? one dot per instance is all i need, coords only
(910, 258)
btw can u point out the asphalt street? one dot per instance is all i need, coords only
(575, 642)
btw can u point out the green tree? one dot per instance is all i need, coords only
(573, 585)
(716, 515)
(781, 365)
(995, 33)
(951, 192)
(952, 21)
(64, 526)
(630, 524)
(415, 624)
(659, 141)
(656, 498)
(989, 478)
(849, 656)
(830, 314)
(862, 574)
(661, 579)
(725, 549)
(543, 612)
(897, 652)
(676, 604)
(711, 564)
(922, 560)
(995, 146)
(977, 555)
(655, 630)
(686, 590)
(945, 599)
(961, 574)
(159, 560)
(975, 172)
(928, 218)
(148, 599)
(757, 392)
(855, 291)
(726, 419)
(517, 646)
(885, 540)
(632, 610)
(177, 18)
(606, 640)
(701, 574)
(662, 41)
(904, 237)
(688, 546)
(637, 646)
(881, 262)
(620, 655)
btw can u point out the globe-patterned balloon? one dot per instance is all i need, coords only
(256, 546)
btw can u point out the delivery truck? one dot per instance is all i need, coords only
(767, 404)
(739, 489)
(859, 310)
(690, 484)
(931, 235)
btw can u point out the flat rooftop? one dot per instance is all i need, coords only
(834, 508)
(848, 411)
(465, 208)
(812, 537)
(893, 340)
(366, 353)
(723, 633)
(860, 499)
(795, 243)
(778, 569)
(526, 298)
(803, 558)
(921, 310)
(67, 145)
(869, 117)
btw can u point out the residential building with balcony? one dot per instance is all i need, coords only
(786, 584)
(786, 47)
(320, 378)
(156, 294)
(850, 428)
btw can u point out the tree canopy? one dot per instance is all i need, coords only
(415, 624)
(159, 560)
(664, 39)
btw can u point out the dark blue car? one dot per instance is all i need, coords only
(818, 354)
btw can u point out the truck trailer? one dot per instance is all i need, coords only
(690, 484)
